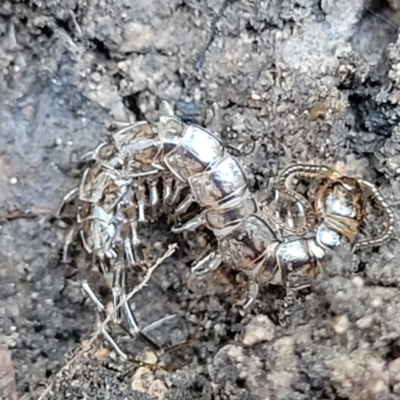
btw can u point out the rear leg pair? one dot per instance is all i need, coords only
(123, 314)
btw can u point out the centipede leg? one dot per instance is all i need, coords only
(154, 198)
(253, 289)
(167, 192)
(215, 124)
(302, 213)
(182, 207)
(100, 316)
(141, 201)
(71, 195)
(209, 263)
(177, 193)
(190, 225)
(69, 239)
(120, 295)
(129, 252)
(117, 291)
(84, 242)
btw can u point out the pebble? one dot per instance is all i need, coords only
(259, 329)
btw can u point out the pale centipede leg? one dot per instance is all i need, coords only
(154, 198)
(133, 326)
(190, 225)
(252, 294)
(167, 191)
(290, 220)
(100, 315)
(70, 236)
(302, 215)
(209, 263)
(215, 124)
(141, 201)
(177, 193)
(117, 291)
(157, 323)
(129, 253)
(71, 195)
(182, 207)
(112, 342)
(84, 242)
(132, 241)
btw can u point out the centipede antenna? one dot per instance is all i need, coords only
(285, 186)
(157, 323)
(389, 229)
(300, 171)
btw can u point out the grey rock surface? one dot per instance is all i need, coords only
(315, 81)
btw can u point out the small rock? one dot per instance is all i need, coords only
(365, 322)
(358, 282)
(394, 371)
(259, 329)
(143, 381)
(101, 354)
(96, 77)
(255, 96)
(341, 324)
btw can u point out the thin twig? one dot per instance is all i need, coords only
(138, 288)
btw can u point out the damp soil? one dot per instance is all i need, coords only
(313, 81)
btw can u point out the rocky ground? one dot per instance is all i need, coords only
(315, 81)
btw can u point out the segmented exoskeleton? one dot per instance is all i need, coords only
(145, 169)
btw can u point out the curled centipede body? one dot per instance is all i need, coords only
(151, 168)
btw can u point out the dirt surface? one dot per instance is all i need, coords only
(316, 81)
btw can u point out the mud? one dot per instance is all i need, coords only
(315, 81)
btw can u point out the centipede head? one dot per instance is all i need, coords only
(340, 203)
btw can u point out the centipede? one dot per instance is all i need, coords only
(145, 170)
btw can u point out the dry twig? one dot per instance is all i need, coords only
(138, 288)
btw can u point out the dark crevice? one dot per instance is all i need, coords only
(100, 47)
(47, 31)
(64, 25)
(373, 117)
(393, 350)
(131, 103)
(198, 64)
